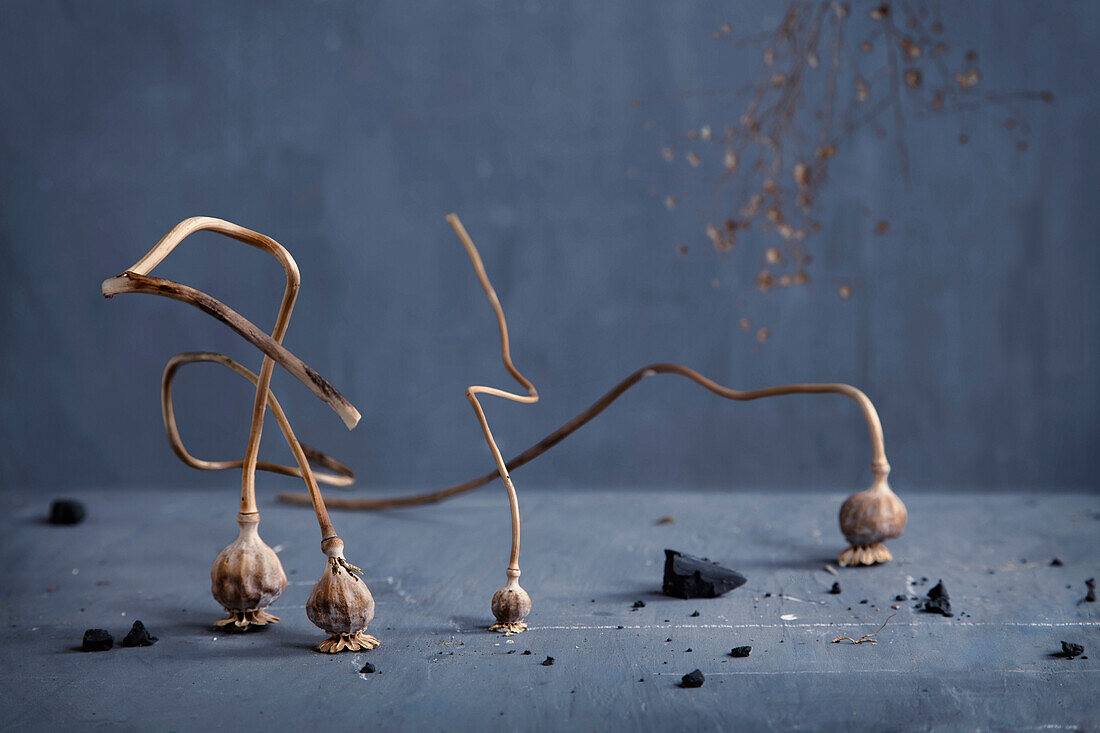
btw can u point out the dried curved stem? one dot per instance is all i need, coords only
(337, 475)
(879, 464)
(136, 279)
(472, 392)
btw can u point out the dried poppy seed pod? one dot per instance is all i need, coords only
(247, 577)
(511, 604)
(341, 604)
(869, 518)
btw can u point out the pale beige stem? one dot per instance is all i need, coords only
(531, 397)
(337, 473)
(879, 465)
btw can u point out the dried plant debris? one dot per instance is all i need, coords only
(687, 576)
(825, 78)
(1090, 595)
(138, 636)
(97, 640)
(866, 638)
(66, 511)
(740, 652)
(1071, 650)
(666, 520)
(938, 601)
(695, 678)
(835, 590)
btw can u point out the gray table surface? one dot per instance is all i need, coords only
(587, 556)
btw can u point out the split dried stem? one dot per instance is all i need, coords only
(866, 638)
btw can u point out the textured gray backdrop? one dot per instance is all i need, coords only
(347, 131)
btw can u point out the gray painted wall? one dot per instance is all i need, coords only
(347, 131)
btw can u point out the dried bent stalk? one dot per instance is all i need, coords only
(867, 518)
(340, 475)
(510, 604)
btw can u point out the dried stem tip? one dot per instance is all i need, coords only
(869, 518)
(511, 604)
(247, 577)
(342, 605)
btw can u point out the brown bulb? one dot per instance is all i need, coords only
(247, 577)
(341, 604)
(868, 519)
(511, 604)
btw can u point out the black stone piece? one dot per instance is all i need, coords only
(368, 668)
(548, 662)
(938, 601)
(526, 652)
(687, 650)
(1070, 650)
(639, 604)
(1090, 597)
(692, 577)
(739, 652)
(900, 597)
(694, 614)
(66, 511)
(693, 679)
(835, 590)
(1056, 563)
(97, 640)
(864, 600)
(138, 636)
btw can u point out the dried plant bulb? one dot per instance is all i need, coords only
(341, 604)
(511, 604)
(868, 519)
(247, 577)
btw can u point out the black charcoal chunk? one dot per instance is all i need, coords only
(739, 652)
(1070, 650)
(66, 511)
(938, 601)
(639, 604)
(900, 597)
(693, 679)
(835, 590)
(1056, 562)
(692, 577)
(694, 614)
(138, 636)
(368, 668)
(97, 640)
(1090, 596)
(526, 653)
(548, 662)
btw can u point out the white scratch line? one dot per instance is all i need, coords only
(876, 671)
(831, 625)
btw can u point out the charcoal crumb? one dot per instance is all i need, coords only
(835, 590)
(694, 614)
(138, 636)
(1071, 650)
(97, 640)
(619, 626)
(1090, 596)
(687, 650)
(639, 604)
(548, 662)
(864, 600)
(693, 679)
(938, 601)
(668, 639)
(510, 651)
(66, 511)
(767, 595)
(368, 668)
(739, 652)
(1056, 562)
(900, 597)
(526, 653)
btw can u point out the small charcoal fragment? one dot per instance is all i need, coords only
(548, 662)
(66, 511)
(639, 604)
(619, 626)
(692, 577)
(738, 652)
(1070, 650)
(864, 600)
(97, 640)
(1056, 563)
(526, 652)
(138, 636)
(835, 590)
(900, 597)
(938, 601)
(368, 668)
(1090, 597)
(693, 679)
(694, 614)
(687, 650)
